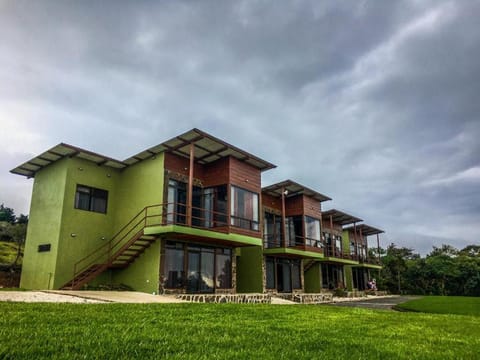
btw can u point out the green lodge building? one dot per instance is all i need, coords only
(188, 216)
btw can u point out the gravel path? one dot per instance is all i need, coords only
(86, 297)
(40, 296)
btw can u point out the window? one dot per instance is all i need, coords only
(294, 230)
(210, 207)
(177, 199)
(283, 274)
(91, 199)
(224, 268)
(272, 230)
(174, 272)
(312, 227)
(244, 209)
(197, 269)
(270, 265)
(332, 276)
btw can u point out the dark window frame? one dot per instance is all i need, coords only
(221, 279)
(238, 216)
(94, 195)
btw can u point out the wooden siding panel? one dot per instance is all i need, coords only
(245, 176)
(216, 173)
(180, 165)
(311, 207)
(326, 225)
(271, 202)
(294, 206)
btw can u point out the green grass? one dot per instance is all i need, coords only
(228, 331)
(459, 305)
(8, 252)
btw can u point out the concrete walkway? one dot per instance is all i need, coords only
(382, 303)
(131, 297)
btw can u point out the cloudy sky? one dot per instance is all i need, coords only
(373, 103)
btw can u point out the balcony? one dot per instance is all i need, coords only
(297, 245)
(198, 224)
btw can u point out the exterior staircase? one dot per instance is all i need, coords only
(121, 251)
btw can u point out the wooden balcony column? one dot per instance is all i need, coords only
(284, 222)
(355, 238)
(364, 247)
(378, 247)
(331, 236)
(190, 185)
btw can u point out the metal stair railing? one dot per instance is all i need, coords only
(103, 254)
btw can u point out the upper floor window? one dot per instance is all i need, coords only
(244, 209)
(294, 231)
(272, 230)
(312, 228)
(91, 199)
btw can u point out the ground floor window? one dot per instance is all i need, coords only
(360, 278)
(332, 276)
(283, 275)
(196, 268)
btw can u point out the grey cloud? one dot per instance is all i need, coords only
(303, 84)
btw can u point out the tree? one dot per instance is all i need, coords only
(7, 214)
(22, 219)
(394, 265)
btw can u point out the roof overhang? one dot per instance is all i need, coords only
(207, 150)
(291, 188)
(365, 229)
(59, 152)
(340, 217)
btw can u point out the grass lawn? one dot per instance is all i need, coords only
(460, 305)
(229, 331)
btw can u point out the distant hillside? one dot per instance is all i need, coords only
(8, 253)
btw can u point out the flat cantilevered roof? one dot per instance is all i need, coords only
(293, 189)
(340, 217)
(61, 151)
(366, 229)
(207, 150)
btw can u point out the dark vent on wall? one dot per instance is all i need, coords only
(44, 247)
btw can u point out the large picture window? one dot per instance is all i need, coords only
(312, 236)
(272, 230)
(91, 199)
(294, 230)
(244, 209)
(197, 269)
(283, 274)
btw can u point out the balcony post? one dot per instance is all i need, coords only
(331, 236)
(283, 219)
(190, 185)
(355, 239)
(378, 248)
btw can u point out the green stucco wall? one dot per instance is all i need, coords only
(38, 269)
(53, 218)
(313, 279)
(92, 229)
(141, 185)
(348, 277)
(144, 274)
(250, 270)
(345, 242)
